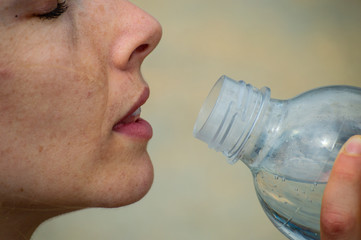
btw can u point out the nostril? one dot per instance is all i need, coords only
(142, 48)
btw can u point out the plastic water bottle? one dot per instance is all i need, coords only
(289, 145)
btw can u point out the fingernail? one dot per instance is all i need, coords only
(353, 145)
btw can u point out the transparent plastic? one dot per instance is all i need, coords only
(289, 145)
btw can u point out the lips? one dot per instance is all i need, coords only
(131, 124)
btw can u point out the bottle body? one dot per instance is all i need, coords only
(303, 143)
(290, 150)
(293, 206)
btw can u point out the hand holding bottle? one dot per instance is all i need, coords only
(341, 204)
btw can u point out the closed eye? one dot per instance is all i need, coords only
(59, 10)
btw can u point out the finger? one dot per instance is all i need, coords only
(341, 203)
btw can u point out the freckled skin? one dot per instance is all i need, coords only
(64, 83)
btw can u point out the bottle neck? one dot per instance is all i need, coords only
(229, 115)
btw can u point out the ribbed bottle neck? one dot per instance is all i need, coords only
(229, 114)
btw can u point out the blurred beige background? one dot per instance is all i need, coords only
(290, 46)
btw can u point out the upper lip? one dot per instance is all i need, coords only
(141, 100)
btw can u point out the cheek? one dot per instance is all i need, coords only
(50, 117)
(51, 99)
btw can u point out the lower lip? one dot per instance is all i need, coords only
(138, 129)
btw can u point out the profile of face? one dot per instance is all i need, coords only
(70, 92)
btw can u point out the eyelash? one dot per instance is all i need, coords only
(59, 10)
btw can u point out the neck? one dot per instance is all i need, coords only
(228, 117)
(264, 132)
(20, 224)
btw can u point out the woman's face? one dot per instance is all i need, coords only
(70, 87)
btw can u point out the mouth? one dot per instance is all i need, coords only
(131, 124)
(132, 117)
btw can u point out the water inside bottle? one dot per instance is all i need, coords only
(292, 205)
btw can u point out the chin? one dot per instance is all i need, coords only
(137, 192)
(126, 188)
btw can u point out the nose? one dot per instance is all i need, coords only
(138, 38)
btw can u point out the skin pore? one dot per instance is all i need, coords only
(69, 72)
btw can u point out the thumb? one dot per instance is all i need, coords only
(341, 203)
